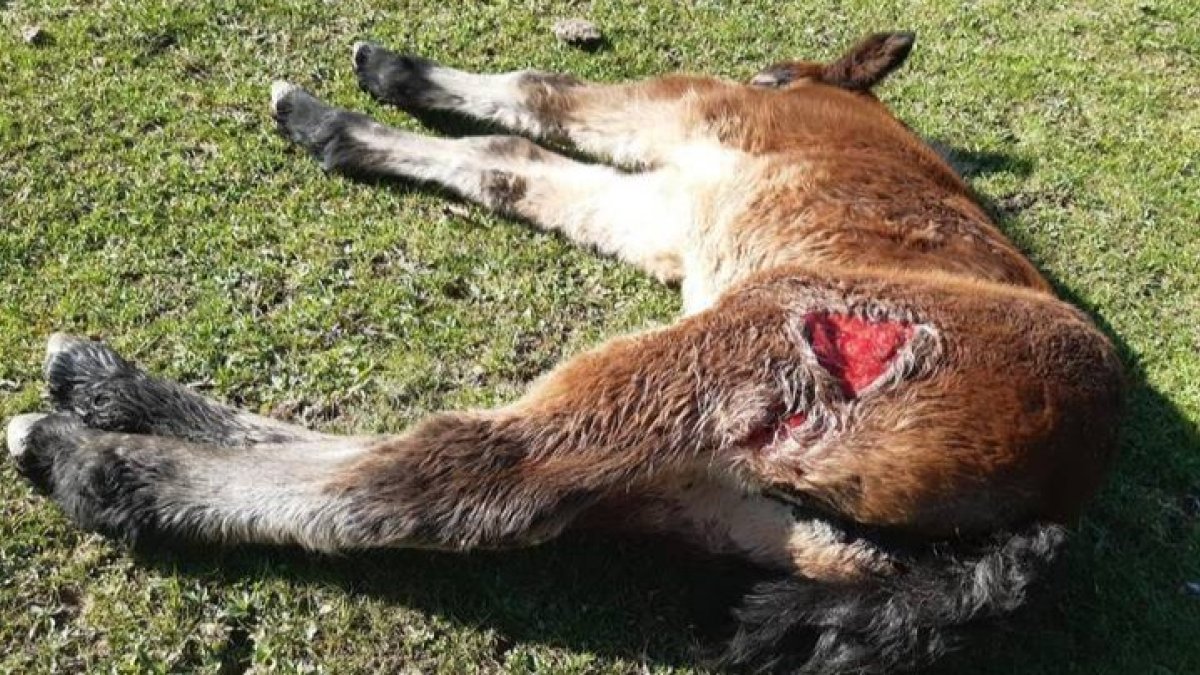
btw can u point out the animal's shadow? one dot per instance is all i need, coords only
(976, 163)
(649, 602)
(645, 601)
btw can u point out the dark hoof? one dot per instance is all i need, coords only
(87, 379)
(392, 78)
(103, 482)
(105, 392)
(318, 128)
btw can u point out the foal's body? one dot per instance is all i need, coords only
(860, 345)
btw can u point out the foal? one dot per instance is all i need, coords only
(871, 390)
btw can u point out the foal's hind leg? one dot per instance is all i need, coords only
(633, 124)
(678, 400)
(724, 520)
(642, 218)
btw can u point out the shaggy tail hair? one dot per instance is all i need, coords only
(887, 625)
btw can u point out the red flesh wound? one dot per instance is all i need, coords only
(796, 420)
(855, 351)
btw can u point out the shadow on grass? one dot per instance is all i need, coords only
(975, 163)
(618, 598)
(649, 602)
(455, 125)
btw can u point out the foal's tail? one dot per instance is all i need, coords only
(899, 623)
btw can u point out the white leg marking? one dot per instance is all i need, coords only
(61, 342)
(358, 47)
(18, 431)
(280, 89)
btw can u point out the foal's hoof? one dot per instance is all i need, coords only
(36, 442)
(321, 129)
(393, 78)
(88, 379)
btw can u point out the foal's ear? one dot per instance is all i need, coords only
(869, 61)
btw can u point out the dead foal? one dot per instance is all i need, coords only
(862, 355)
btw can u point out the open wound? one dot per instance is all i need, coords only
(855, 351)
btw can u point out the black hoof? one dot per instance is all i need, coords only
(91, 381)
(320, 129)
(392, 78)
(88, 380)
(103, 482)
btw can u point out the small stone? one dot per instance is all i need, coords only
(34, 35)
(577, 32)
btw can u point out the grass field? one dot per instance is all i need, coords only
(145, 198)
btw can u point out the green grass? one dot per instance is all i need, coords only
(145, 198)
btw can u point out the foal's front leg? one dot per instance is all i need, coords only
(636, 124)
(643, 218)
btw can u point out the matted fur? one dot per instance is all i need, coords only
(981, 421)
